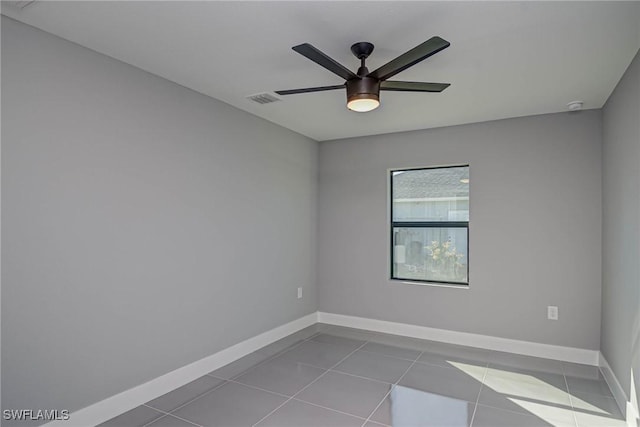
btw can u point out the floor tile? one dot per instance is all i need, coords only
(310, 331)
(391, 350)
(335, 339)
(580, 370)
(136, 417)
(524, 375)
(589, 385)
(521, 388)
(300, 414)
(593, 420)
(493, 417)
(318, 354)
(456, 349)
(407, 407)
(291, 340)
(171, 421)
(501, 359)
(438, 389)
(356, 334)
(375, 366)
(445, 381)
(231, 405)
(449, 358)
(596, 405)
(592, 410)
(240, 366)
(281, 376)
(184, 394)
(280, 347)
(398, 341)
(542, 408)
(346, 393)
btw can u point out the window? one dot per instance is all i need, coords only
(430, 225)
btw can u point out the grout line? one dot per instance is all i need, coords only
(524, 411)
(391, 389)
(378, 405)
(330, 409)
(360, 376)
(269, 358)
(156, 419)
(347, 373)
(225, 381)
(354, 375)
(589, 393)
(310, 365)
(388, 355)
(312, 382)
(167, 414)
(422, 362)
(261, 389)
(475, 408)
(374, 342)
(155, 409)
(524, 414)
(280, 353)
(195, 398)
(566, 383)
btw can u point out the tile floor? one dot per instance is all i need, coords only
(332, 376)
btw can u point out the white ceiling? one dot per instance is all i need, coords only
(506, 59)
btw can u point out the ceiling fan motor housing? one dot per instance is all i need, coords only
(363, 88)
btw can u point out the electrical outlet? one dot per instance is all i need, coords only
(299, 293)
(552, 312)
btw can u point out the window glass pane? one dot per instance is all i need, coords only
(430, 254)
(440, 194)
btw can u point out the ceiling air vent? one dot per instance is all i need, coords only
(263, 98)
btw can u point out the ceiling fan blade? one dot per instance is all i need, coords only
(325, 61)
(410, 58)
(413, 86)
(309, 89)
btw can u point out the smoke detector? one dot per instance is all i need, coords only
(575, 105)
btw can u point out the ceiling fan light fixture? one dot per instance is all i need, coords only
(363, 102)
(363, 94)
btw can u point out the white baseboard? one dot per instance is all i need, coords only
(568, 354)
(616, 389)
(115, 405)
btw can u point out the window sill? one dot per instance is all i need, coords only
(434, 284)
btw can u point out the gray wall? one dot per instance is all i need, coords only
(535, 218)
(144, 226)
(621, 229)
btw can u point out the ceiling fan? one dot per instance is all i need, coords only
(363, 87)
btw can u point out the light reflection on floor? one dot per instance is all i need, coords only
(548, 402)
(409, 407)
